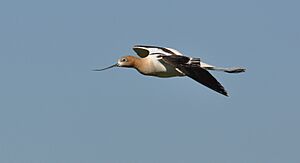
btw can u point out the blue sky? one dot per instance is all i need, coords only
(55, 109)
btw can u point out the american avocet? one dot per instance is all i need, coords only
(167, 62)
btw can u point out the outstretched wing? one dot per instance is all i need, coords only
(194, 71)
(145, 50)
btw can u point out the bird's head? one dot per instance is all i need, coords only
(126, 61)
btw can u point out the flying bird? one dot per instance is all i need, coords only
(167, 62)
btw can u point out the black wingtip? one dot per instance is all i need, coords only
(226, 94)
(222, 91)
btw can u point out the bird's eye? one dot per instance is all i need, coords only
(123, 60)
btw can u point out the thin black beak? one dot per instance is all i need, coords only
(115, 65)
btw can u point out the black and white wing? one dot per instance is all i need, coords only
(145, 50)
(191, 68)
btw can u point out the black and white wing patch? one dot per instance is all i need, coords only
(145, 50)
(194, 71)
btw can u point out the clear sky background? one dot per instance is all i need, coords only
(54, 109)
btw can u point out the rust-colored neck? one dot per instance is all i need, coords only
(142, 65)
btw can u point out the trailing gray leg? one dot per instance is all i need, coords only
(228, 70)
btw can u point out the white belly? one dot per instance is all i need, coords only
(161, 69)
